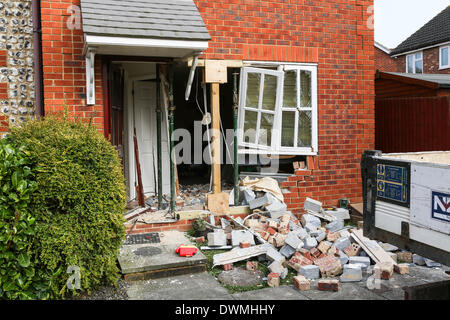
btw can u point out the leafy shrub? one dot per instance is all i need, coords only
(78, 201)
(19, 276)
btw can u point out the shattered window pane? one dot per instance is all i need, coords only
(265, 130)
(305, 89)
(288, 129)
(290, 89)
(304, 129)
(253, 90)
(250, 120)
(270, 92)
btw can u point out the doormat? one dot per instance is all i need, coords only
(151, 237)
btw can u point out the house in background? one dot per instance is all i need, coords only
(383, 59)
(425, 51)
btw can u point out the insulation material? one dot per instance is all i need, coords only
(265, 184)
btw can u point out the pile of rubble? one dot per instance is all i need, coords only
(316, 244)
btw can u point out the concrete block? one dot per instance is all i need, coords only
(344, 234)
(301, 283)
(432, 264)
(335, 225)
(293, 240)
(309, 243)
(277, 214)
(249, 195)
(342, 243)
(273, 280)
(365, 261)
(343, 257)
(388, 247)
(301, 233)
(313, 205)
(277, 205)
(309, 218)
(310, 228)
(328, 285)
(273, 255)
(351, 273)
(419, 260)
(287, 251)
(277, 267)
(322, 235)
(310, 271)
(238, 236)
(217, 239)
(339, 213)
(259, 202)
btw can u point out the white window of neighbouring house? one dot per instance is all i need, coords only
(444, 57)
(278, 110)
(414, 63)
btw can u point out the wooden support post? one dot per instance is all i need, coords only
(215, 106)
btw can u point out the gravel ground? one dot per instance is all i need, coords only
(107, 293)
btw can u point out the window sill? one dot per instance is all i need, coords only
(268, 151)
(443, 68)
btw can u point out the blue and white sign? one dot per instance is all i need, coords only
(440, 206)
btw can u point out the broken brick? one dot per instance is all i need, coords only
(405, 257)
(332, 237)
(273, 279)
(228, 267)
(328, 285)
(402, 268)
(384, 269)
(329, 266)
(272, 231)
(352, 250)
(298, 261)
(315, 252)
(301, 283)
(200, 239)
(324, 246)
(252, 265)
(245, 244)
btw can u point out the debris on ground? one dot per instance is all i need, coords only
(316, 244)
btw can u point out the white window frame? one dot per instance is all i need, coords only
(441, 66)
(413, 55)
(275, 147)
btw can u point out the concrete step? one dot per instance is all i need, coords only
(159, 260)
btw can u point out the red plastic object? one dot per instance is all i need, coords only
(186, 251)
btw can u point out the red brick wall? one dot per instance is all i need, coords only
(64, 65)
(334, 34)
(430, 62)
(384, 62)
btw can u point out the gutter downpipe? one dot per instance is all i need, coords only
(37, 58)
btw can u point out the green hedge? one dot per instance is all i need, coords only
(78, 201)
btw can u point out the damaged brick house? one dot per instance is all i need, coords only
(305, 71)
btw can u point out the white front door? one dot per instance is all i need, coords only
(144, 116)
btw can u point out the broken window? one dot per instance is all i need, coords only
(278, 110)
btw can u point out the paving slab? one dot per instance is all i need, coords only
(278, 293)
(199, 286)
(241, 277)
(347, 291)
(156, 256)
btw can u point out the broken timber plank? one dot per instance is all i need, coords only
(371, 247)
